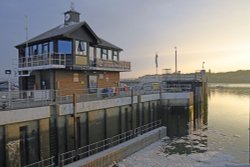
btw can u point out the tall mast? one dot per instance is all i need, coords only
(26, 30)
(175, 59)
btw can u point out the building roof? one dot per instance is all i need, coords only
(65, 31)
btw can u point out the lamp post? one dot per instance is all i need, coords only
(8, 72)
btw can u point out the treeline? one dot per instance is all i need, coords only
(241, 76)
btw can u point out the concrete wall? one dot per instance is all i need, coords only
(117, 153)
(2, 146)
(27, 114)
(177, 99)
(13, 143)
(52, 130)
(112, 121)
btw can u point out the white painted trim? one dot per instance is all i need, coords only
(42, 67)
(105, 103)
(21, 115)
(150, 97)
(174, 95)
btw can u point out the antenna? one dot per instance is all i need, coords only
(26, 30)
(175, 60)
(72, 6)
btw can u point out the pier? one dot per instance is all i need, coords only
(54, 128)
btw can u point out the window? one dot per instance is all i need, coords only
(98, 53)
(51, 47)
(45, 48)
(91, 55)
(30, 51)
(104, 54)
(39, 49)
(27, 51)
(110, 54)
(64, 47)
(35, 51)
(115, 56)
(81, 48)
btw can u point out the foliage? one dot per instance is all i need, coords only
(240, 76)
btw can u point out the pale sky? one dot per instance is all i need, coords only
(214, 31)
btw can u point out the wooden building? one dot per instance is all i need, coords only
(69, 57)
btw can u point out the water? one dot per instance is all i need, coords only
(219, 125)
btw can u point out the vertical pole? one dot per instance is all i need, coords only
(132, 108)
(175, 60)
(9, 90)
(26, 29)
(75, 120)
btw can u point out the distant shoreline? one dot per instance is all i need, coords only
(233, 77)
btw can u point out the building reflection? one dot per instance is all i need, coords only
(187, 129)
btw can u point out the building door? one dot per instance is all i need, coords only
(92, 83)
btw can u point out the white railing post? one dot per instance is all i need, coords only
(60, 59)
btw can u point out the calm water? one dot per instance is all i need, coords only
(220, 124)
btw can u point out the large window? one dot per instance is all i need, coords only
(115, 56)
(39, 49)
(81, 48)
(98, 53)
(91, 55)
(64, 47)
(110, 54)
(104, 54)
(51, 47)
(45, 48)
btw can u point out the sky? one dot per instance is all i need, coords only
(216, 32)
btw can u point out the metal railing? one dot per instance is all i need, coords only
(113, 64)
(82, 95)
(50, 162)
(41, 60)
(183, 77)
(34, 98)
(23, 99)
(85, 151)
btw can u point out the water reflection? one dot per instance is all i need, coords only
(218, 124)
(186, 129)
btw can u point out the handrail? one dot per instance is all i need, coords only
(40, 60)
(113, 64)
(49, 162)
(66, 157)
(93, 148)
(33, 98)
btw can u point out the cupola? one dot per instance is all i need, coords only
(71, 16)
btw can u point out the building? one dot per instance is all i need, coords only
(69, 58)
